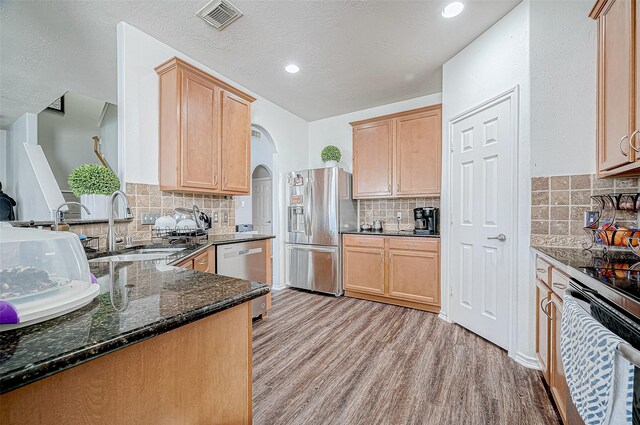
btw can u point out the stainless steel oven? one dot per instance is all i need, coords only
(619, 321)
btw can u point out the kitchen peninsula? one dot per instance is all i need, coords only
(160, 343)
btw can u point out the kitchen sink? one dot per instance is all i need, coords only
(143, 254)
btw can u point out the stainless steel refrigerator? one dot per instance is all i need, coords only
(319, 207)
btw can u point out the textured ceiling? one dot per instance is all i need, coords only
(352, 54)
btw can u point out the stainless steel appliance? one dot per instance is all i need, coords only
(426, 221)
(377, 225)
(245, 260)
(612, 297)
(319, 207)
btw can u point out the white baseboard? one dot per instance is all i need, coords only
(527, 361)
(444, 317)
(278, 287)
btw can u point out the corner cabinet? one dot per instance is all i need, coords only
(395, 270)
(398, 155)
(618, 100)
(204, 134)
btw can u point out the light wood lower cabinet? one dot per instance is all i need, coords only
(396, 270)
(558, 380)
(203, 262)
(543, 327)
(199, 373)
(548, 327)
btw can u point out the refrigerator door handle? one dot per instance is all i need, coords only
(314, 248)
(307, 207)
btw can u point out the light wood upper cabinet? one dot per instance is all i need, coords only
(236, 143)
(398, 155)
(417, 153)
(396, 270)
(204, 134)
(199, 165)
(372, 159)
(617, 88)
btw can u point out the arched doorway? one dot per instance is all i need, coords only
(262, 200)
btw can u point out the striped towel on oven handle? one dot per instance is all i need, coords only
(595, 373)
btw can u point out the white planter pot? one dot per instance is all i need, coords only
(98, 205)
(331, 163)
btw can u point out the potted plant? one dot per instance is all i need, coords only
(330, 156)
(93, 184)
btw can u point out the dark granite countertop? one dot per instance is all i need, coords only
(138, 300)
(614, 275)
(408, 233)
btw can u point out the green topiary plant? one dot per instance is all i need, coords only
(92, 179)
(331, 153)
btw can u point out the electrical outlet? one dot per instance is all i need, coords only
(225, 218)
(149, 217)
(215, 218)
(399, 215)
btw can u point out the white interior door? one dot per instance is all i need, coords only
(483, 207)
(261, 205)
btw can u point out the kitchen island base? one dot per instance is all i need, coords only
(197, 373)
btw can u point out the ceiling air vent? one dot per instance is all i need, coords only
(219, 13)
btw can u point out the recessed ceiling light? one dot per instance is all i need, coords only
(291, 68)
(452, 9)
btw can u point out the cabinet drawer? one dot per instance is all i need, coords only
(201, 262)
(559, 282)
(542, 270)
(364, 241)
(413, 244)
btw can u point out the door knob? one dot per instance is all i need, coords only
(501, 237)
(268, 221)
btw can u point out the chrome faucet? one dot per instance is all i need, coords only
(60, 214)
(111, 234)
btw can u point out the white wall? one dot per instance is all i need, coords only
(261, 154)
(22, 184)
(3, 157)
(66, 139)
(494, 63)
(563, 88)
(337, 131)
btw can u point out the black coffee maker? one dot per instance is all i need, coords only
(426, 221)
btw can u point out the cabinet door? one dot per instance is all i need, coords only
(200, 152)
(363, 270)
(372, 159)
(543, 327)
(414, 276)
(417, 154)
(236, 143)
(615, 84)
(558, 385)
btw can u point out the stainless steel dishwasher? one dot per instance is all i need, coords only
(245, 260)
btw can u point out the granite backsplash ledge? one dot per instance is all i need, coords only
(386, 210)
(146, 198)
(558, 204)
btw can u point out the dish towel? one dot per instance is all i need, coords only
(600, 380)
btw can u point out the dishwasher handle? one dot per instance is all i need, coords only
(242, 252)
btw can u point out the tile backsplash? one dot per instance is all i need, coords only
(386, 210)
(147, 198)
(558, 204)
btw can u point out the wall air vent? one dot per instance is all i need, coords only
(219, 13)
(256, 134)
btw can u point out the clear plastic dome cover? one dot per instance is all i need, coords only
(33, 261)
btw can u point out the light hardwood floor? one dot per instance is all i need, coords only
(324, 360)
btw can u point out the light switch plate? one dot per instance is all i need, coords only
(225, 218)
(215, 217)
(149, 217)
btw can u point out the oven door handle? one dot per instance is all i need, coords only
(629, 353)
